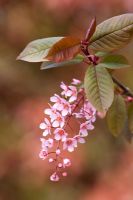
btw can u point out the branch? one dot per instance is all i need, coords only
(126, 90)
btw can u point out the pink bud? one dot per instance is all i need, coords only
(64, 174)
(43, 154)
(51, 160)
(54, 177)
(60, 165)
(129, 99)
(75, 81)
(66, 162)
(58, 151)
(101, 114)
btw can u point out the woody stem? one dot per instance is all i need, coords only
(77, 103)
(126, 90)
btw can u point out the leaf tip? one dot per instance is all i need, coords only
(18, 57)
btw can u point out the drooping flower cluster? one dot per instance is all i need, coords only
(71, 104)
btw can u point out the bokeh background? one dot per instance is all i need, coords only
(102, 168)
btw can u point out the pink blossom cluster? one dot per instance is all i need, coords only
(71, 104)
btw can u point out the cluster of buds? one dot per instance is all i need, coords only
(71, 104)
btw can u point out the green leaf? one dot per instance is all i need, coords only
(36, 50)
(130, 117)
(101, 54)
(116, 116)
(99, 87)
(49, 64)
(65, 49)
(115, 62)
(113, 33)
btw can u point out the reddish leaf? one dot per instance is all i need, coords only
(64, 49)
(91, 30)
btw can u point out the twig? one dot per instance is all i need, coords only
(126, 90)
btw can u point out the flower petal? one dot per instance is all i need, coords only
(55, 124)
(42, 126)
(45, 133)
(57, 137)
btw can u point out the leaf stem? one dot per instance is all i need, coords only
(84, 48)
(126, 90)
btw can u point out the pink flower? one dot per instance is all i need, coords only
(66, 108)
(54, 177)
(58, 120)
(47, 143)
(58, 102)
(46, 125)
(74, 94)
(60, 105)
(60, 134)
(89, 111)
(69, 91)
(84, 127)
(43, 154)
(75, 81)
(79, 139)
(66, 91)
(70, 144)
(79, 115)
(52, 112)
